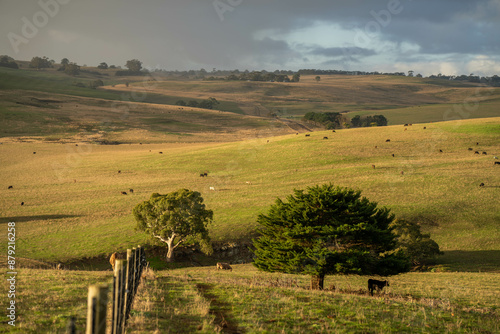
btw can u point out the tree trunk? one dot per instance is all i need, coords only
(170, 253)
(317, 282)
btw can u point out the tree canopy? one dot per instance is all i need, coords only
(327, 230)
(174, 218)
(134, 65)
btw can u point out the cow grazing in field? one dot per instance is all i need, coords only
(484, 153)
(470, 149)
(373, 166)
(124, 193)
(333, 130)
(131, 190)
(34, 152)
(205, 174)
(374, 284)
(22, 203)
(308, 135)
(325, 137)
(202, 175)
(224, 266)
(119, 172)
(387, 140)
(10, 187)
(497, 163)
(406, 125)
(160, 152)
(440, 151)
(425, 127)
(482, 184)
(476, 152)
(113, 259)
(212, 188)
(393, 155)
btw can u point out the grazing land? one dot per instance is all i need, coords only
(69, 153)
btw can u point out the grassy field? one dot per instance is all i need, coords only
(245, 300)
(52, 154)
(72, 194)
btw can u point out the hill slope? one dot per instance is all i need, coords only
(74, 207)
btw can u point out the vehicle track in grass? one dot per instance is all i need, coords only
(223, 318)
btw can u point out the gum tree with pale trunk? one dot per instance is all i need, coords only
(175, 218)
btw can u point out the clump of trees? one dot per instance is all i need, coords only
(277, 76)
(68, 67)
(418, 246)
(175, 218)
(335, 120)
(134, 68)
(6, 61)
(41, 62)
(96, 83)
(366, 121)
(209, 103)
(326, 230)
(330, 120)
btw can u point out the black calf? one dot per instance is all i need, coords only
(374, 284)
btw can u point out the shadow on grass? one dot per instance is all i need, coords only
(23, 219)
(471, 261)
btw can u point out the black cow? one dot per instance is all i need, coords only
(482, 184)
(325, 137)
(387, 140)
(497, 162)
(484, 153)
(10, 187)
(22, 203)
(124, 193)
(374, 284)
(308, 135)
(131, 190)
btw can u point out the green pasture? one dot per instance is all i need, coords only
(204, 300)
(74, 207)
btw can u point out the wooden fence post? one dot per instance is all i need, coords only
(129, 287)
(97, 305)
(118, 293)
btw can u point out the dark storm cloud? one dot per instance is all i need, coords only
(343, 52)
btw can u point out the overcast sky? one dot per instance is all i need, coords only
(428, 36)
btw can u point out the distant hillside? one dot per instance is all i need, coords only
(400, 99)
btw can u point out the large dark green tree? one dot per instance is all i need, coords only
(174, 218)
(327, 230)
